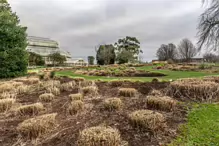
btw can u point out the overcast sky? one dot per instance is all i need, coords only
(80, 25)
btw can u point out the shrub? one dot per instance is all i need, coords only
(194, 89)
(46, 97)
(127, 92)
(31, 109)
(75, 107)
(76, 97)
(37, 126)
(155, 80)
(68, 86)
(99, 136)
(112, 103)
(41, 76)
(161, 103)
(22, 89)
(6, 104)
(147, 119)
(52, 74)
(90, 90)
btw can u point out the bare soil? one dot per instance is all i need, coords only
(68, 127)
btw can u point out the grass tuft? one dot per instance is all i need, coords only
(76, 97)
(46, 97)
(99, 136)
(112, 104)
(6, 104)
(75, 107)
(30, 110)
(37, 126)
(127, 92)
(147, 119)
(90, 90)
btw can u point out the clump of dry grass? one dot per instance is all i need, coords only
(68, 86)
(6, 104)
(30, 110)
(76, 97)
(50, 84)
(37, 126)
(155, 93)
(23, 89)
(6, 87)
(53, 90)
(147, 119)
(194, 89)
(212, 79)
(7, 95)
(99, 136)
(16, 84)
(86, 83)
(112, 104)
(90, 90)
(46, 97)
(116, 83)
(127, 92)
(161, 103)
(75, 107)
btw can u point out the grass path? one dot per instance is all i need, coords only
(202, 128)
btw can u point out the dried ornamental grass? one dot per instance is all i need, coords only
(99, 136)
(7, 95)
(147, 119)
(37, 126)
(127, 92)
(75, 107)
(6, 87)
(30, 110)
(76, 97)
(6, 104)
(112, 104)
(155, 93)
(78, 79)
(23, 89)
(196, 90)
(161, 103)
(90, 90)
(46, 97)
(86, 83)
(68, 86)
(53, 90)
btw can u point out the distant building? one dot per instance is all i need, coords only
(44, 47)
(76, 62)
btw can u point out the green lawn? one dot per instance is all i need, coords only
(202, 128)
(169, 75)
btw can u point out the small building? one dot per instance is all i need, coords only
(76, 62)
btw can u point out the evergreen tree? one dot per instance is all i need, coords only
(13, 55)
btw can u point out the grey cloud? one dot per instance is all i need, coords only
(80, 25)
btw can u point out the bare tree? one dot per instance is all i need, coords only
(166, 52)
(186, 50)
(209, 25)
(210, 57)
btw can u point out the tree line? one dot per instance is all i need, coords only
(125, 50)
(184, 51)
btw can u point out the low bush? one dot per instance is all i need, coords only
(30, 110)
(75, 107)
(161, 103)
(90, 90)
(46, 97)
(194, 89)
(6, 104)
(127, 92)
(37, 126)
(147, 119)
(68, 86)
(52, 74)
(112, 104)
(99, 136)
(76, 97)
